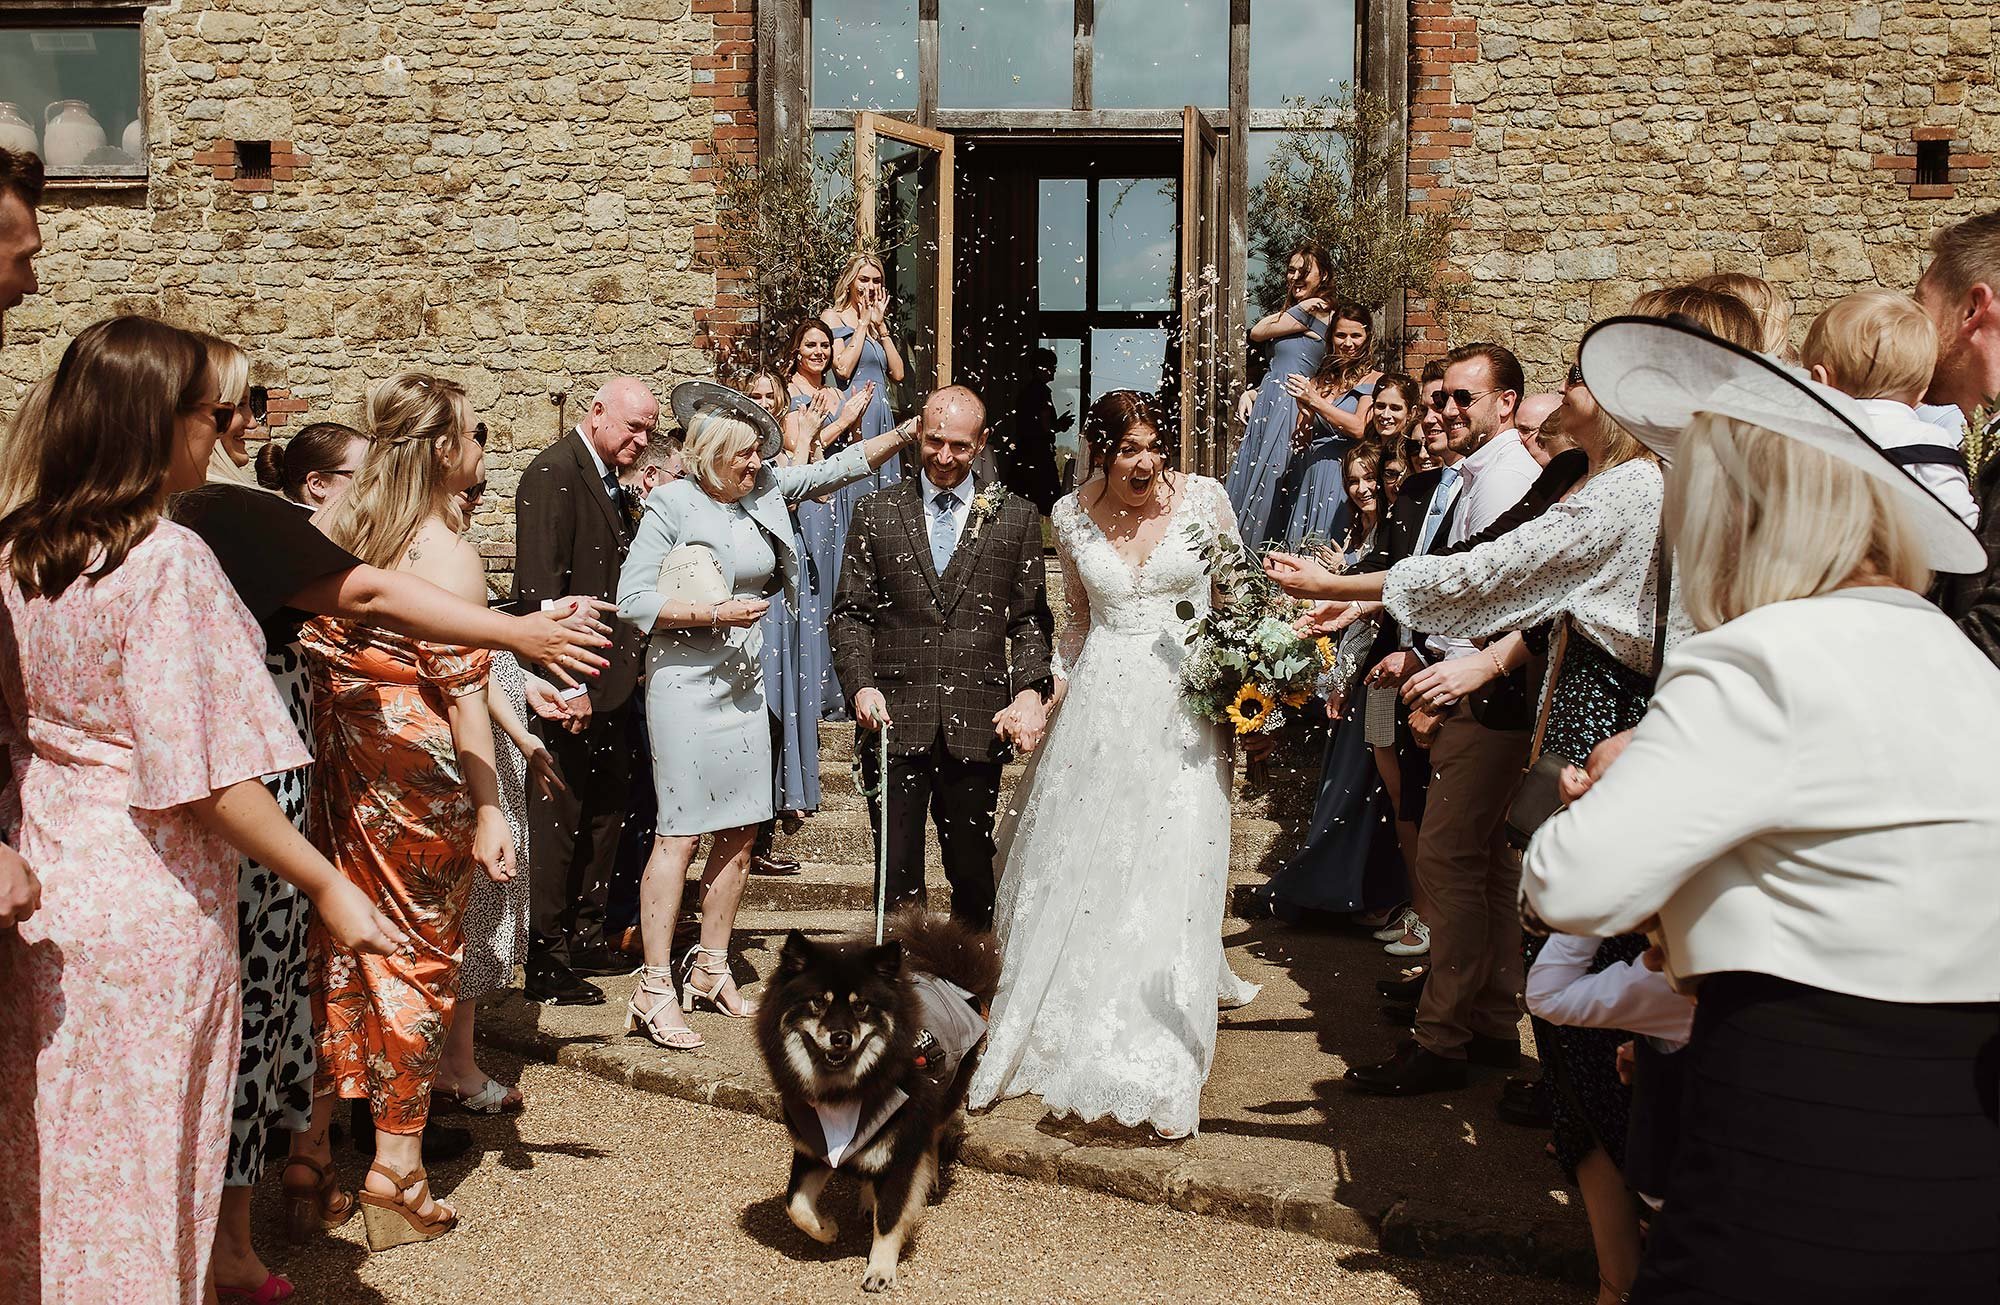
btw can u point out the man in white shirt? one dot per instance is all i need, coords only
(1469, 1009)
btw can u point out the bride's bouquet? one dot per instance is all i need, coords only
(1246, 664)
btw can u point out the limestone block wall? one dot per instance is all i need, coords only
(1612, 146)
(502, 191)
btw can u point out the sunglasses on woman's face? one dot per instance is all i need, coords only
(479, 434)
(1575, 376)
(224, 415)
(259, 400)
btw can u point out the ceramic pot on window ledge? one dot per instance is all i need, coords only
(16, 132)
(134, 141)
(71, 135)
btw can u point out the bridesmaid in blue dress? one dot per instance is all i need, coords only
(1351, 861)
(814, 385)
(864, 353)
(1335, 408)
(1297, 336)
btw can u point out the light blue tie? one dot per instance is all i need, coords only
(1440, 503)
(944, 539)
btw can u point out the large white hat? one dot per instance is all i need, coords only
(692, 398)
(1653, 375)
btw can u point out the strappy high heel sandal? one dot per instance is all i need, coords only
(313, 1207)
(698, 962)
(393, 1221)
(658, 981)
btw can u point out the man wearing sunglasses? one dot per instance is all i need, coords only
(1468, 1010)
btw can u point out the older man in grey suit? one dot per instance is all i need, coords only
(941, 632)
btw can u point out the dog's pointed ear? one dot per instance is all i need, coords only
(795, 955)
(887, 959)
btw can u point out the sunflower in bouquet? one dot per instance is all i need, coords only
(1246, 665)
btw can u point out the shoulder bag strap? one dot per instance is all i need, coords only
(1664, 584)
(1558, 645)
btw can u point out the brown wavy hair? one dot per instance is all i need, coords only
(93, 466)
(1105, 426)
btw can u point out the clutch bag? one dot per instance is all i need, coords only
(690, 574)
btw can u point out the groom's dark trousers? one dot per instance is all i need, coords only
(960, 796)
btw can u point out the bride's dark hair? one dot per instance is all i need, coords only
(1114, 416)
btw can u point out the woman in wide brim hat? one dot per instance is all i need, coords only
(1806, 816)
(727, 524)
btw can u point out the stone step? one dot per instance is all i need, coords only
(1283, 789)
(841, 835)
(849, 886)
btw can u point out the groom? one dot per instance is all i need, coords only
(941, 632)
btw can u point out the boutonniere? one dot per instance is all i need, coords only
(985, 504)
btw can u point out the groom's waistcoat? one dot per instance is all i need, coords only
(946, 651)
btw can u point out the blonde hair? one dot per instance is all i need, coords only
(19, 455)
(1756, 518)
(229, 368)
(413, 425)
(1874, 345)
(843, 288)
(712, 439)
(1771, 306)
(1718, 312)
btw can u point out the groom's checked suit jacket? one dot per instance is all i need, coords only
(944, 651)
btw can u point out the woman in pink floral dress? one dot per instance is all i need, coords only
(136, 720)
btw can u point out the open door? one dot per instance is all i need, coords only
(903, 185)
(1204, 269)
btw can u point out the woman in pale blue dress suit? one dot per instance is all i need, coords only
(711, 732)
(1297, 336)
(1338, 406)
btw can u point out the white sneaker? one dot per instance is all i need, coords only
(1421, 932)
(1397, 925)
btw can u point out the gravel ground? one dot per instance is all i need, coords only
(601, 1193)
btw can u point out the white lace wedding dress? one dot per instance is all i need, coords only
(1116, 851)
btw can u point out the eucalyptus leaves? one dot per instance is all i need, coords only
(1245, 662)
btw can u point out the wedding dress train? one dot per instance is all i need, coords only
(1116, 853)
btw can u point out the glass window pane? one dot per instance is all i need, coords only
(1063, 245)
(1006, 54)
(72, 95)
(1127, 358)
(1300, 48)
(1160, 54)
(1264, 262)
(1068, 390)
(833, 164)
(1136, 249)
(864, 54)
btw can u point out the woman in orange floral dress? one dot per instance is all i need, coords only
(405, 797)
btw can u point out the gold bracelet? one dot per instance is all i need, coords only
(1499, 667)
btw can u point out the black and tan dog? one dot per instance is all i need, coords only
(871, 1049)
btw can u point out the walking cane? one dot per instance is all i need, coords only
(882, 841)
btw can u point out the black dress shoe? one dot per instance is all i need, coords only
(1526, 1102)
(1411, 1072)
(552, 984)
(1494, 1053)
(1396, 1013)
(1404, 992)
(441, 1141)
(599, 961)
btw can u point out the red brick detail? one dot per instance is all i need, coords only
(1902, 166)
(287, 164)
(723, 78)
(1440, 40)
(282, 408)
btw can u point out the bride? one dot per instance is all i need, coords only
(1116, 863)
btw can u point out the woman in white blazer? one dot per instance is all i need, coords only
(1807, 817)
(705, 710)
